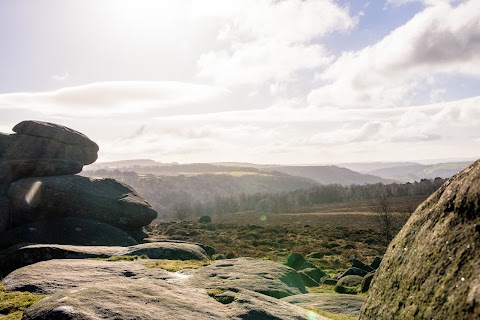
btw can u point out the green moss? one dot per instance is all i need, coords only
(331, 316)
(221, 296)
(323, 288)
(122, 258)
(177, 265)
(12, 304)
(346, 290)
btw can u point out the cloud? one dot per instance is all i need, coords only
(265, 40)
(61, 77)
(287, 133)
(439, 41)
(112, 98)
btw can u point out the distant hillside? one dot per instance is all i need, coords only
(122, 164)
(331, 175)
(165, 191)
(417, 172)
(368, 167)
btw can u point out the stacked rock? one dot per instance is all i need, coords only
(41, 195)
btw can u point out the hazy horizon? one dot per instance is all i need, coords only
(258, 81)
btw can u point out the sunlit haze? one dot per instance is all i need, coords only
(263, 81)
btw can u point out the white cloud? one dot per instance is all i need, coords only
(440, 40)
(61, 77)
(112, 98)
(265, 40)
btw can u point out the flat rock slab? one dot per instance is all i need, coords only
(266, 277)
(13, 170)
(23, 255)
(49, 277)
(105, 200)
(73, 231)
(146, 299)
(336, 303)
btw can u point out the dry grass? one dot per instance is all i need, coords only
(177, 265)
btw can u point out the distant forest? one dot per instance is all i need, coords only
(177, 197)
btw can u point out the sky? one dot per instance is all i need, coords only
(263, 81)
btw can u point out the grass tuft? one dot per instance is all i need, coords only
(12, 304)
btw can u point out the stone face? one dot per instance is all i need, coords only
(350, 281)
(360, 265)
(54, 131)
(267, 277)
(73, 231)
(13, 170)
(5, 213)
(49, 277)
(336, 303)
(152, 300)
(367, 281)
(353, 272)
(105, 200)
(23, 255)
(25, 147)
(431, 268)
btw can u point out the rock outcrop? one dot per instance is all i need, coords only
(267, 277)
(105, 200)
(431, 268)
(38, 183)
(152, 300)
(72, 231)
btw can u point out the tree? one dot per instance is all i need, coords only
(182, 210)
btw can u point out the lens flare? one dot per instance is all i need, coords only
(30, 196)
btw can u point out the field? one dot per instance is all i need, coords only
(330, 236)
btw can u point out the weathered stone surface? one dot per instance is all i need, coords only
(312, 276)
(350, 281)
(366, 282)
(23, 147)
(360, 265)
(49, 277)
(152, 300)
(23, 255)
(105, 200)
(53, 131)
(376, 262)
(353, 272)
(73, 231)
(329, 281)
(431, 268)
(5, 214)
(267, 277)
(298, 262)
(13, 170)
(336, 303)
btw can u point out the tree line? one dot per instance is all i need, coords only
(180, 197)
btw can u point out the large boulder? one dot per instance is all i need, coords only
(54, 131)
(105, 200)
(431, 268)
(26, 254)
(73, 231)
(151, 300)
(267, 277)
